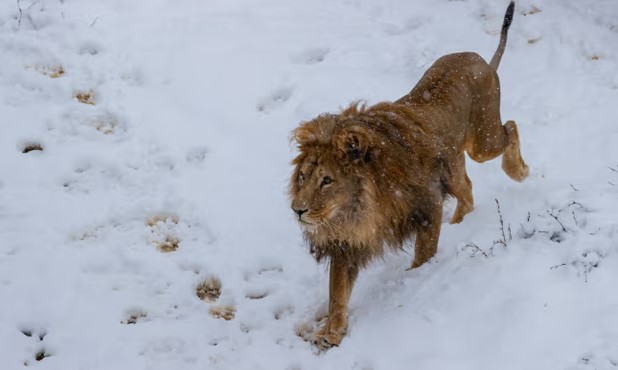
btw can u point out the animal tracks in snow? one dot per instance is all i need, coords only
(40, 351)
(258, 286)
(275, 99)
(51, 71)
(407, 26)
(89, 123)
(605, 358)
(85, 97)
(225, 312)
(31, 146)
(163, 233)
(209, 289)
(196, 155)
(135, 315)
(279, 96)
(310, 56)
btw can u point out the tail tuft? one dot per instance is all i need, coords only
(508, 19)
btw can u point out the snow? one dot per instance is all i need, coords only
(187, 149)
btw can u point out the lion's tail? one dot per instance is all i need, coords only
(508, 18)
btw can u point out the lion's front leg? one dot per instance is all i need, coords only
(341, 280)
(427, 235)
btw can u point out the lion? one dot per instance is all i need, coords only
(370, 178)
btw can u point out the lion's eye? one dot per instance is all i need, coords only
(301, 178)
(325, 181)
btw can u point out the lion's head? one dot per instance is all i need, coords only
(328, 181)
(358, 177)
(344, 179)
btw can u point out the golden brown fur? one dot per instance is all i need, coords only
(371, 178)
(378, 197)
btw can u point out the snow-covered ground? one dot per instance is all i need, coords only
(176, 176)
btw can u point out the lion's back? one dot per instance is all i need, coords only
(451, 77)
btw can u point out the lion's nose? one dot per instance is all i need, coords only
(300, 212)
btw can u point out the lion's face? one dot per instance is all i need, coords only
(323, 193)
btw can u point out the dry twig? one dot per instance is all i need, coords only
(558, 220)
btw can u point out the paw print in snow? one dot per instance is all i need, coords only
(163, 235)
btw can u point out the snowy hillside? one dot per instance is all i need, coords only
(144, 160)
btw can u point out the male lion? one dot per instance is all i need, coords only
(369, 178)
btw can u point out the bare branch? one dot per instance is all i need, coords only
(476, 248)
(556, 218)
(33, 4)
(25, 13)
(503, 240)
(20, 14)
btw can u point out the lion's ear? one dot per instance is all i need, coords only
(304, 135)
(354, 144)
(316, 131)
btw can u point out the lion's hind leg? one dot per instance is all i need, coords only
(512, 162)
(488, 138)
(497, 140)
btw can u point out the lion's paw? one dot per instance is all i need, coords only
(517, 173)
(325, 340)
